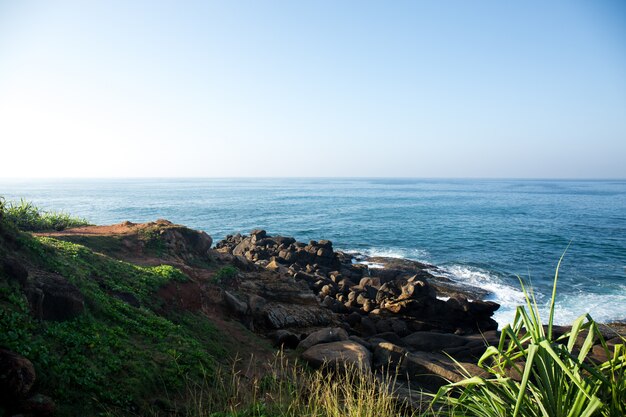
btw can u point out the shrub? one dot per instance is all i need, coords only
(225, 274)
(556, 375)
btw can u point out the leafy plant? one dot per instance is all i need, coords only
(534, 373)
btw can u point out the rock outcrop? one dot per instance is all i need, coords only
(373, 318)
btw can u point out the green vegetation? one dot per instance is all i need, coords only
(225, 274)
(30, 218)
(113, 356)
(555, 377)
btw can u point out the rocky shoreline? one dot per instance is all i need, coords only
(344, 309)
(330, 308)
(334, 308)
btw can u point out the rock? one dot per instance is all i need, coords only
(54, 298)
(15, 270)
(38, 406)
(415, 290)
(274, 265)
(330, 334)
(389, 355)
(234, 304)
(433, 342)
(432, 370)
(127, 297)
(334, 305)
(286, 339)
(257, 235)
(390, 337)
(369, 306)
(339, 355)
(353, 319)
(17, 376)
(278, 316)
(370, 281)
(368, 326)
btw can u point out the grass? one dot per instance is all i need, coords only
(290, 389)
(28, 217)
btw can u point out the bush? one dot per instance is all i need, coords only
(556, 376)
(30, 218)
(225, 274)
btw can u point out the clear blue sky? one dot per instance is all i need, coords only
(313, 88)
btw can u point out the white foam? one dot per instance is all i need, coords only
(601, 307)
(419, 255)
(371, 265)
(506, 295)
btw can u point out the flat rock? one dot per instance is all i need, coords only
(339, 355)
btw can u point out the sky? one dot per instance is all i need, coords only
(480, 89)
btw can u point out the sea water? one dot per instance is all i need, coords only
(486, 233)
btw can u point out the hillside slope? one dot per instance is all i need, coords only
(108, 334)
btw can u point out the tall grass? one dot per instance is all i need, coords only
(30, 218)
(288, 389)
(534, 373)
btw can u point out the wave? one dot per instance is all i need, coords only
(419, 255)
(571, 302)
(502, 293)
(568, 306)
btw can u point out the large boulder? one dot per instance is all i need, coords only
(432, 341)
(52, 297)
(14, 270)
(330, 334)
(341, 355)
(17, 376)
(433, 370)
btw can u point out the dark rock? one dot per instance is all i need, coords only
(432, 370)
(353, 319)
(334, 305)
(286, 339)
(52, 297)
(390, 337)
(38, 406)
(17, 376)
(15, 270)
(331, 334)
(235, 305)
(433, 342)
(389, 355)
(278, 316)
(127, 297)
(368, 326)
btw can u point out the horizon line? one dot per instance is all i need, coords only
(315, 178)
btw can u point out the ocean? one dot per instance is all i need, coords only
(483, 232)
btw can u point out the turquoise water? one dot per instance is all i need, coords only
(484, 232)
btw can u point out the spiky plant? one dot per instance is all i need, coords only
(534, 373)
